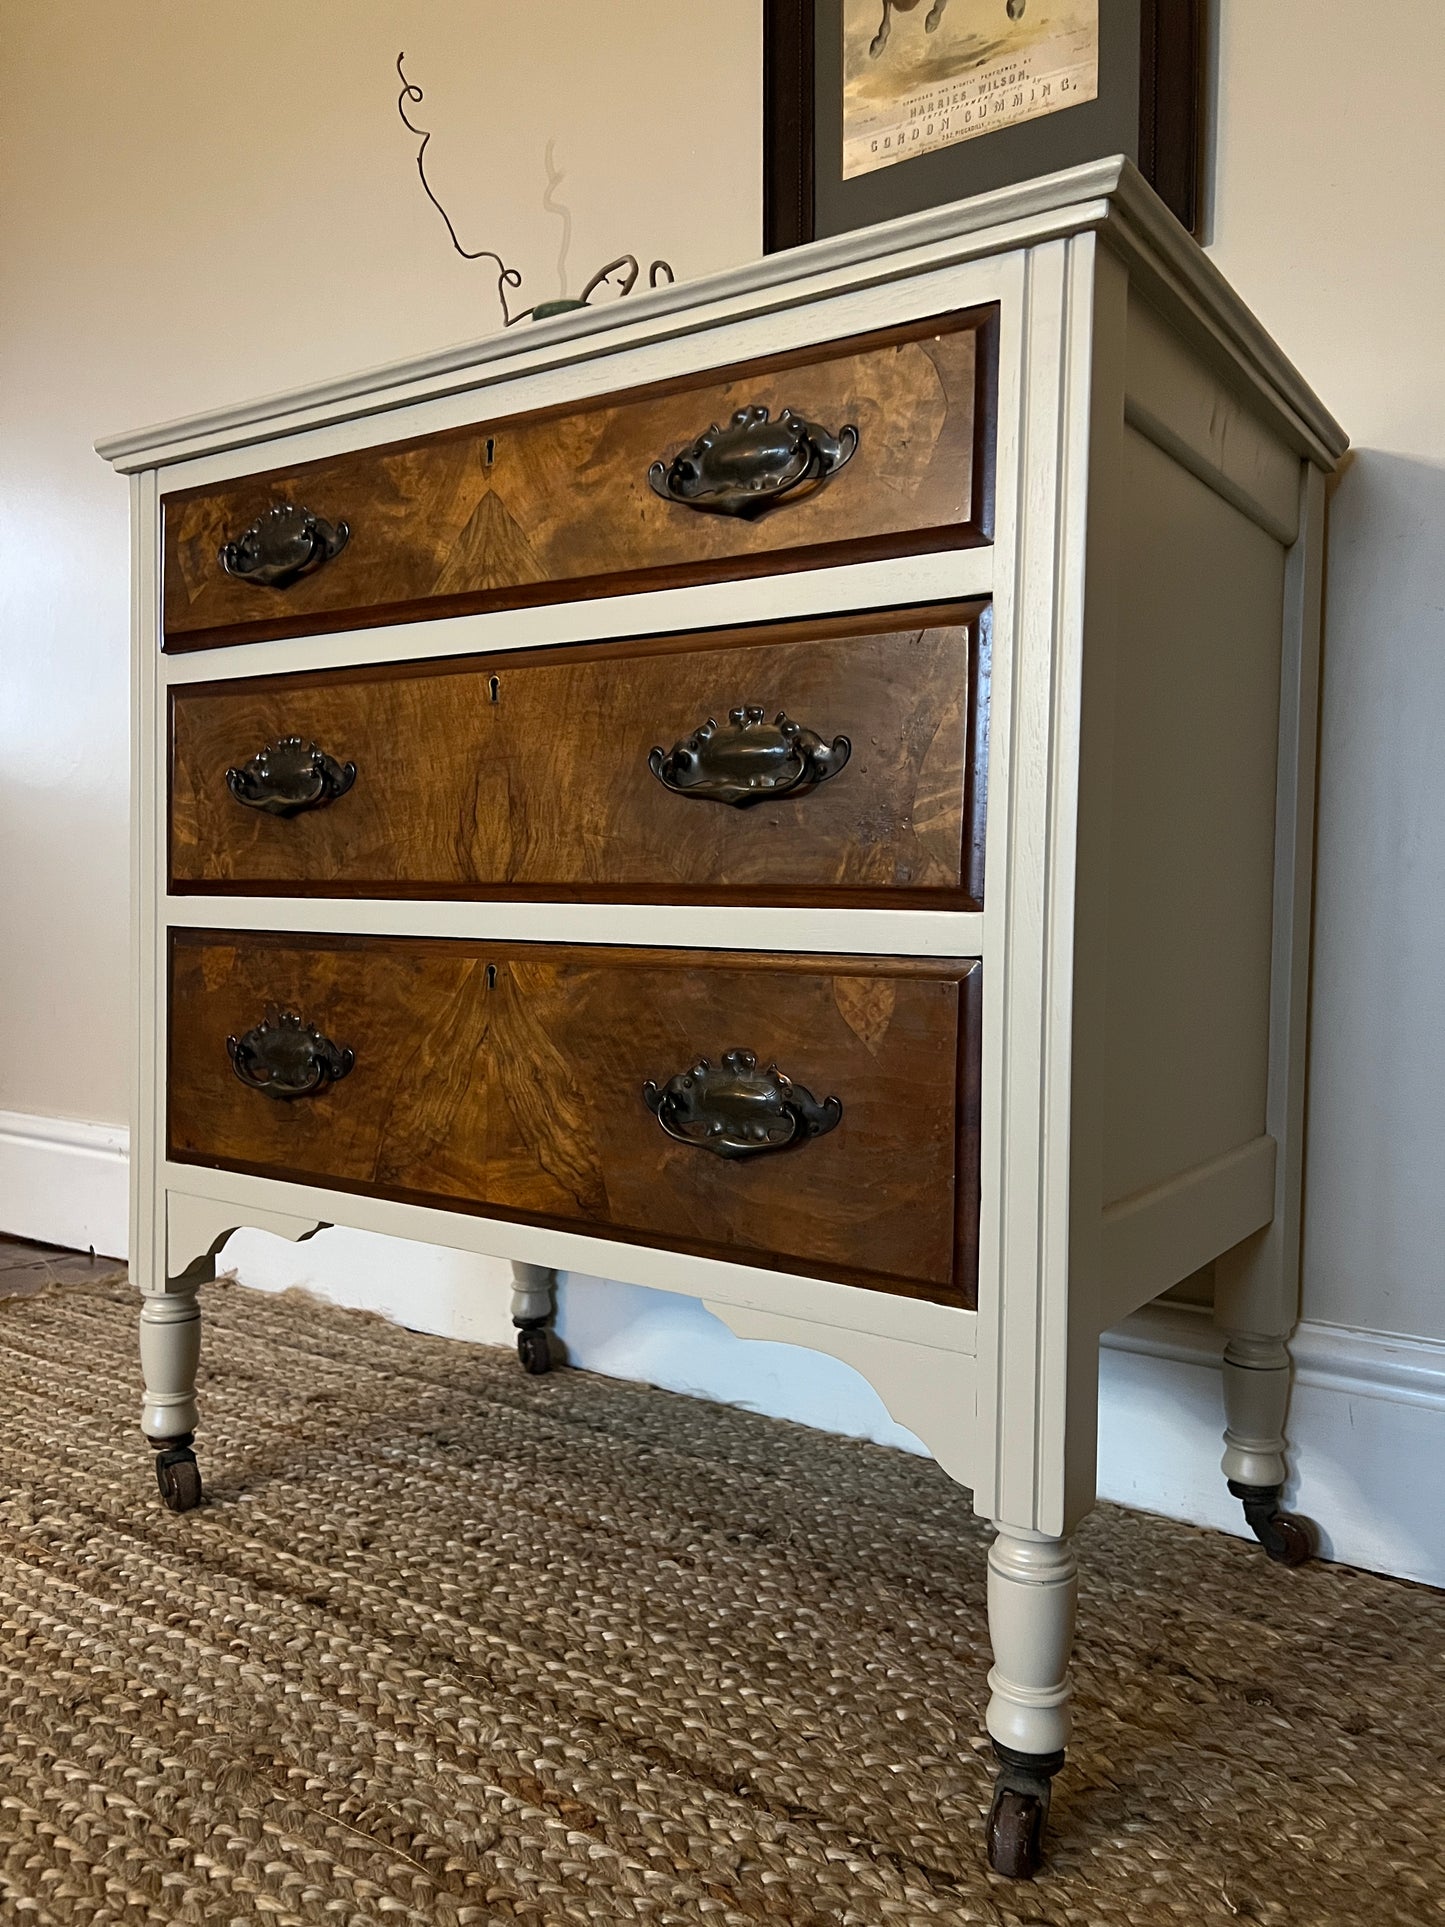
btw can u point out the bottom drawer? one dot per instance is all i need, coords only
(563, 1085)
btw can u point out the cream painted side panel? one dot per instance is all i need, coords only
(1175, 1229)
(1195, 746)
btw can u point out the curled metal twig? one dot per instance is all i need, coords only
(506, 277)
(626, 266)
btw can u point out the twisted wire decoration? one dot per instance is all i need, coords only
(626, 266)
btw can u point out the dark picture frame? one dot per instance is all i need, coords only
(1148, 107)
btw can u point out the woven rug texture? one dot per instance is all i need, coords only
(451, 1644)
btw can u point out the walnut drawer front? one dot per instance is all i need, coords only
(509, 1079)
(579, 773)
(551, 506)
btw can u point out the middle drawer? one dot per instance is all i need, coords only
(839, 760)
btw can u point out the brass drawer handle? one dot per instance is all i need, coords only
(289, 776)
(283, 545)
(752, 463)
(748, 760)
(737, 1111)
(285, 1057)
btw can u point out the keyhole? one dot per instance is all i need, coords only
(491, 450)
(491, 976)
(494, 683)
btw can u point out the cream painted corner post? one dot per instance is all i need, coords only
(1032, 517)
(1257, 1283)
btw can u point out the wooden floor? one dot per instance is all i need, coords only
(26, 1268)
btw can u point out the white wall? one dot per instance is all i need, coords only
(198, 204)
(190, 214)
(1329, 216)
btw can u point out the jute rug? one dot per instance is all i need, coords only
(449, 1644)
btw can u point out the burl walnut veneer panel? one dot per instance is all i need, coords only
(526, 774)
(507, 1079)
(555, 505)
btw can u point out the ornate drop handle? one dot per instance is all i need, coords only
(752, 463)
(737, 1111)
(283, 545)
(285, 1057)
(289, 776)
(747, 760)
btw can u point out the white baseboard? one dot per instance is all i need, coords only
(424, 1287)
(1366, 1425)
(1366, 1435)
(64, 1183)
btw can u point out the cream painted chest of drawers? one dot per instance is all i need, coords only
(795, 789)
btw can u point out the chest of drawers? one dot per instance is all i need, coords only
(795, 789)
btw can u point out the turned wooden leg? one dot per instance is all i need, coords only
(170, 1351)
(534, 1304)
(1032, 1589)
(1256, 1397)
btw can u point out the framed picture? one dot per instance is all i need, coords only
(874, 108)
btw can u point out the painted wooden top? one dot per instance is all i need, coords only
(1109, 197)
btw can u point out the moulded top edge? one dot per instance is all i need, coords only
(1109, 194)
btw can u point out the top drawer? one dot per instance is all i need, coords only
(557, 505)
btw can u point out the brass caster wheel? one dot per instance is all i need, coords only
(179, 1478)
(1288, 1539)
(1015, 1833)
(535, 1350)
